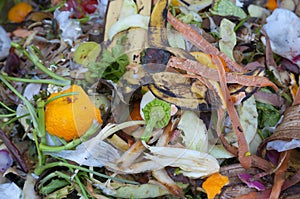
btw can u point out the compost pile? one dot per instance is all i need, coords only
(149, 99)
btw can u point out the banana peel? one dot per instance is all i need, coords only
(112, 15)
(137, 38)
(176, 89)
(141, 41)
(157, 32)
(158, 20)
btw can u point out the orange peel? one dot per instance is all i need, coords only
(19, 12)
(71, 116)
(213, 184)
(271, 4)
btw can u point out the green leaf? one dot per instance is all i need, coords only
(228, 36)
(117, 51)
(107, 56)
(53, 185)
(227, 8)
(112, 65)
(87, 52)
(268, 115)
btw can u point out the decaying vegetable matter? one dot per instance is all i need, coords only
(149, 99)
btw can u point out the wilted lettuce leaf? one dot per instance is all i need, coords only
(140, 191)
(227, 8)
(86, 53)
(268, 115)
(112, 65)
(228, 36)
(135, 20)
(195, 135)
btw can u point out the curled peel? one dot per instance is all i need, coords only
(135, 20)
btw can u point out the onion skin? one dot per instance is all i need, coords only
(14, 151)
(6, 160)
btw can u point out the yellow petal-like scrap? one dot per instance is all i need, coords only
(213, 184)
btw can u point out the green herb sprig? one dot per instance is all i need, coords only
(112, 65)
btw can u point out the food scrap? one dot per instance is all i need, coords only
(213, 184)
(149, 99)
(19, 11)
(69, 117)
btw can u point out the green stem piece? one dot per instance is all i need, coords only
(157, 114)
(151, 123)
(71, 145)
(41, 121)
(31, 55)
(13, 120)
(28, 105)
(8, 115)
(39, 152)
(7, 108)
(37, 81)
(40, 170)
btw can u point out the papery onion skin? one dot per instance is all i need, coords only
(6, 160)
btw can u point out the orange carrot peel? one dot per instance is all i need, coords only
(243, 156)
(211, 73)
(195, 38)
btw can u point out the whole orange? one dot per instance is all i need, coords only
(18, 12)
(71, 116)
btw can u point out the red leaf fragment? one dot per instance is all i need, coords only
(248, 179)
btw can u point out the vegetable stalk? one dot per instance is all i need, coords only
(157, 114)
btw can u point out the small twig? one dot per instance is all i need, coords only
(14, 151)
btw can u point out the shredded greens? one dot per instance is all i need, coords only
(112, 64)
